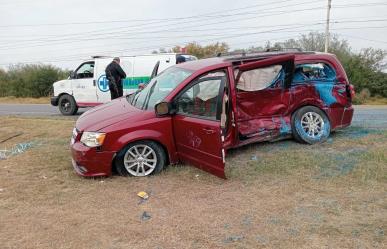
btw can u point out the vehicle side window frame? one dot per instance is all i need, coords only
(197, 80)
(287, 66)
(86, 62)
(314, 62)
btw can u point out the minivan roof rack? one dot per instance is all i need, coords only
(273, 49)
(262, 52)
(260, 55)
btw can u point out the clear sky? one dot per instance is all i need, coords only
(64, 32)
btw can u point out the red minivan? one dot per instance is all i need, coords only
(195, 111)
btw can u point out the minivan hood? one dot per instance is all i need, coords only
(107, 114)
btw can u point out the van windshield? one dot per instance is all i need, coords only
(159, 87)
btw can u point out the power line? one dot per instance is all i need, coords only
(365, 39)
(44, 43)
(154, 20)
(73, 40)
(205, 24)
(76, 57)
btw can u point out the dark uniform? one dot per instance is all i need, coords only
(115, 74)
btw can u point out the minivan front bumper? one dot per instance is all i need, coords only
(89, 162)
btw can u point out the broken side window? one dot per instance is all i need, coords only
(313, 72)
(260, 78)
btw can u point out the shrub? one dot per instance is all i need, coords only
(29, 80)
(362, 97)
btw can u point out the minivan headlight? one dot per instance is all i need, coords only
(93, 139)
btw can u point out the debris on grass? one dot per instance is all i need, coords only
(340, 164)
(17, 149)
(254, 158)
(262, 240)
(293, 232)
(379, 232)
(355, 233)
(10, 137)
(143, 195)
(247, 221)
(358, 132)
(145, 216)
(234, 238)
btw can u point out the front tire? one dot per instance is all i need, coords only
(140, 158)
(67, 105)
(310, 125)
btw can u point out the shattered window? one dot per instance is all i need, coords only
(260, 78)
(313, 71)
(201, 99)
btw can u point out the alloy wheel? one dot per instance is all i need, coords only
(140, 160)
(312, 124)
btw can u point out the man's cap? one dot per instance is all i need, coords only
(116, 59)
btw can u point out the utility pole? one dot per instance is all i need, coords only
(327, 26)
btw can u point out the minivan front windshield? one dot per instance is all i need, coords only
(159, 87)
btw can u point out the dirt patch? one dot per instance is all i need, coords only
(278, 195)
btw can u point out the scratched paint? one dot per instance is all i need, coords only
(194, 140)
(285, 127)
(325, 91)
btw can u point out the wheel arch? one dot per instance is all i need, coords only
(310, 104)
(149, 139)
(72, 96)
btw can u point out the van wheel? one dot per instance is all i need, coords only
(310, 125)
(67, 105)
(140, 158)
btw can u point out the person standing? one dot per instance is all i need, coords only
(115, 75)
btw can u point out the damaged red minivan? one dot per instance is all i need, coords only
(194, 112)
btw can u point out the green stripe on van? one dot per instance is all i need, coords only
(132, 82)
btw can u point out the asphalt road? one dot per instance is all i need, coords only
(368, 116)
(32, 110)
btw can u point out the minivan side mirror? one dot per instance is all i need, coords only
(72, 75)
(162, 108)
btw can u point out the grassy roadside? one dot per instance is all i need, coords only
(278, 195)
(14, 100)
(46, 100)
(376, 101)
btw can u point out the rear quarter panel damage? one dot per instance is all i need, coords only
(266, 115)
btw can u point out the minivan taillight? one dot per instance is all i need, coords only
(350, 91)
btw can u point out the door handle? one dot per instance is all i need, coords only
(209, 130)
(94, 82)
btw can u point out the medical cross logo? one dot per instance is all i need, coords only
(103, 83)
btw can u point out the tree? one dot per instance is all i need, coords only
(199, 51)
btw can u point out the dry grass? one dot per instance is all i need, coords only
(14, 100)
(376, 101)
(278, 195)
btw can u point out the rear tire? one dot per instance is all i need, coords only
(140, 158)
(67, 105)
(310, 125)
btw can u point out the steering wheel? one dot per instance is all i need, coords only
(87, 72)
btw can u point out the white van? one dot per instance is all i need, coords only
(87, 86)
